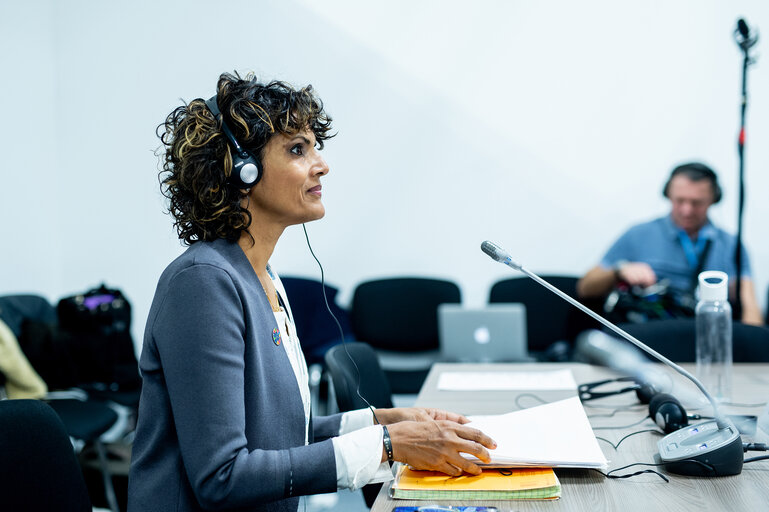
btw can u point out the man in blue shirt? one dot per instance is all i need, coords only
(676, 247)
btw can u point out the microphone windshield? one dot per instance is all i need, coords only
(597, 347)
(742, 27)
(495, 251)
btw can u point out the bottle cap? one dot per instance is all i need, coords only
(714, 286)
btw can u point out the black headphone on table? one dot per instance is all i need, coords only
(668, 413)
(664, 409)
(644, 392)
(246, 168)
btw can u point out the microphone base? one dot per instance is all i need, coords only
(703, 450)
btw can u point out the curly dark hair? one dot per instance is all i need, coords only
(198, 160)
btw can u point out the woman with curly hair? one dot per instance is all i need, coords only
(224, 418)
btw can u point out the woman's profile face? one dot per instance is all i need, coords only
(290, 190)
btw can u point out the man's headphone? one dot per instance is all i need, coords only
(696, 171)
(246, 168)
(644, 392)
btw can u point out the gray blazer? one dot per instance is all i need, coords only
(221, 421)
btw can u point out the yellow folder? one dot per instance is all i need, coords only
(513, 483)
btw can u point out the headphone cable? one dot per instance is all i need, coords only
(338, 325)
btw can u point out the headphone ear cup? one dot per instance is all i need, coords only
(667, 412)
(646, 392)
(246, 170)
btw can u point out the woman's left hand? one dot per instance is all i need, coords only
(389, 416)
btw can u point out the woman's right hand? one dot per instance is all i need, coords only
(436, 446)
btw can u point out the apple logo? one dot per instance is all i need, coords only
(482, 335)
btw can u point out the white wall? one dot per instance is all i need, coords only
(548, 127)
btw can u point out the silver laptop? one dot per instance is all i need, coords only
(493, 333)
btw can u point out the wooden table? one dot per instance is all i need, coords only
(587, 489)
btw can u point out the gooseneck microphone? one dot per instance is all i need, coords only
(713, 448)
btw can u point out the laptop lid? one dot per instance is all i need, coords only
(492, 333)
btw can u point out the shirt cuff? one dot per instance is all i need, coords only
(355, 420)
(358, 455)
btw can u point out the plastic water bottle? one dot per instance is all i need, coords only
(714, 334)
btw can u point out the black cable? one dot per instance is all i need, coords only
(615, 411)
(531, 395)
(616, 446)
(624, 426)
(610, 406)
(338, 325)
(609, 474)
(610, 415)
(754, 459)
(617, 408)
(755, 447)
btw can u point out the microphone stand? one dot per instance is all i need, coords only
(741, 36)
(713, 448)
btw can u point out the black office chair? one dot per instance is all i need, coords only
(676, 339)
(314, 325)
(399, 318)
(552, 324)
(316, 329)
(38, 469)
(354, 366)
(88, 421)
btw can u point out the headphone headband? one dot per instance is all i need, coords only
(696, 171)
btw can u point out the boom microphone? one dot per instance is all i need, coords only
(713, 448)
(742, 35)
(742, 28)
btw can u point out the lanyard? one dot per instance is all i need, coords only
(691, 251)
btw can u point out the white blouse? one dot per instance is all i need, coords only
(358, 448)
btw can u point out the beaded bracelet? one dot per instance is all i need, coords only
(388, 445)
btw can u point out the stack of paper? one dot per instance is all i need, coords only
(554, 435)
(503, 381)
(493, 484)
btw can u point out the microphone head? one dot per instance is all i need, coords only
(499, 254)
(494, 251)
(742, 28)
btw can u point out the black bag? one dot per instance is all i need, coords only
(98, 324)
(99, 311)
(657, 302)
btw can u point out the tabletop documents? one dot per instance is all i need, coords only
(555, 435)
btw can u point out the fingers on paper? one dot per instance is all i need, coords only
(459, 466)
(473, 434)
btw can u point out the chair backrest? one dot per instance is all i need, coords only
(38, 468)
(549, 318)
(766, 318)
(15, 309)
(314, 326)
(401, 314)
(350, 364)
(751, 343)
(676, 339)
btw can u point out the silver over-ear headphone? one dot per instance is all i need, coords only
(246, 168)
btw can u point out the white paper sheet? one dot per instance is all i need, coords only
(502, 381)
(557, 434)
